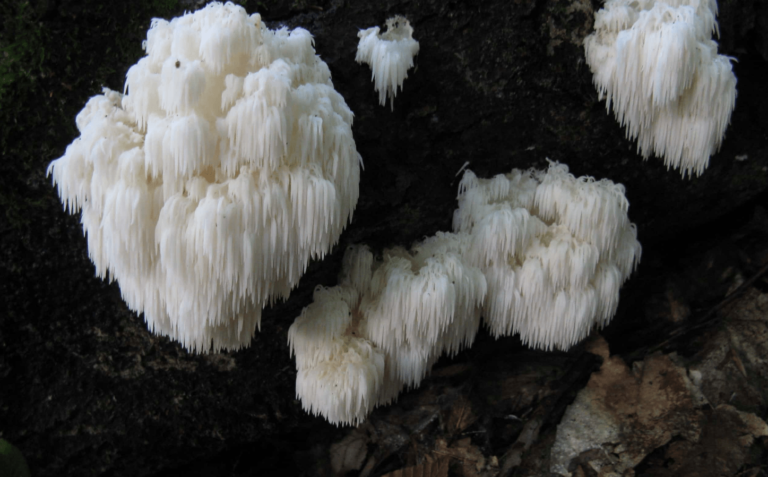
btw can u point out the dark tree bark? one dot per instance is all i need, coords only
(86, 389)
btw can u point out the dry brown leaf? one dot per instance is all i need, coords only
(739, 363)
(472, 461)
(654, 403)
(460, 416)
(622, 415)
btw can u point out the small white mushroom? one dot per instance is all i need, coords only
(389, 54)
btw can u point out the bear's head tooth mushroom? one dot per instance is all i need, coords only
(206, 188)
(389, 54)
(538, 253)
(655, 64)
(554, 249)
(384, 326)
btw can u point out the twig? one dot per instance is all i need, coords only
(710, 316)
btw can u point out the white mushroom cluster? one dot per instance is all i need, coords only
(655, 64)
(384, 326)
(206, 188)
(538, 253)
(555, 249)
(389, 54)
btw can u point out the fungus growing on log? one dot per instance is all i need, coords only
(555, 249)
(384, 325)
(538, 253)
(655, 64)
(389, 54)
(206, 188)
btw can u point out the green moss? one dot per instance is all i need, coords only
(23, 44)
(23, 48)
(55, 55)
(12, 463)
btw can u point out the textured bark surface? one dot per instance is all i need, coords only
(86, 390)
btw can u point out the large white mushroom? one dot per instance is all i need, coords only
(208, 186)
